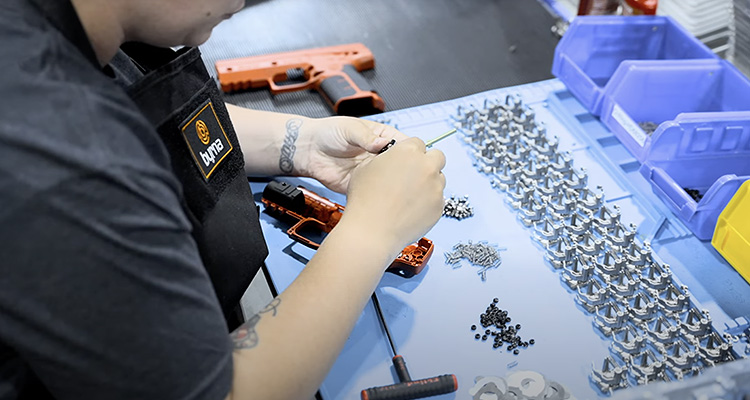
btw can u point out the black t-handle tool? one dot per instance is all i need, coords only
(407, 389)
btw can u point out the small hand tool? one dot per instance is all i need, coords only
(407, 389)
(427, 144)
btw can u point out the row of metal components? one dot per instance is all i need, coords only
(657, 332)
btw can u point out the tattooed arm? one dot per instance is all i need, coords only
(286, 350)
(269, 140)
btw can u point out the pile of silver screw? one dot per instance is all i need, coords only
(481, 254)
(458, 208)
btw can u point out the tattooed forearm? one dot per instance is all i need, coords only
(286, 160)
(272, 306)
(246, 337)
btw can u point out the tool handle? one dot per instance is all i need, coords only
(413, 389)
(400, 365)
(348, 93)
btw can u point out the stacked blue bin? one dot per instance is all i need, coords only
(635, 70)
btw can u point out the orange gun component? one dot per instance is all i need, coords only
(333, 71)
(314, 213)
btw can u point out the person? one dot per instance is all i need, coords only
(128, 228)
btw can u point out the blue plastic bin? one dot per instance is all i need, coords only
(594, 46)
(707, 152)
(657, 92)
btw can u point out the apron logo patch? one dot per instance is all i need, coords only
(202, 130)
(206, 139)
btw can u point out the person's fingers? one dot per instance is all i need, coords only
(359, 135)
(437, 158)
(442, 180)
(413, 143)
(384, 130)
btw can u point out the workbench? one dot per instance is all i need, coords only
(430, 315)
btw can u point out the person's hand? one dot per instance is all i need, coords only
(335, 146)
(398, 195)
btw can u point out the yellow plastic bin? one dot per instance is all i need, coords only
(732, 234)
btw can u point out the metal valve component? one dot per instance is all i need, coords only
(578, 270)
(646, 367)
(621, 236)
(561, 204)
(506, 176)
(611, 376)
(547, 147)
(660, 330)
(609, 318)
(546, 231)
(531, 213)
(656, 276)
(639, 255)
(713, 348)
(679, 356)
(588, 244)
(592, 294)
(561, 162)
(607, 218)
(694, 323)
(550, 184)
(610, 264)
(627, 341)
(623, 284)
(560, 253)
(674, 299)
(580, 223)
(642, 306)
(575, 179)
(590, 200)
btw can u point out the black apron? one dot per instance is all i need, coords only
(183, 103)
(176, 94)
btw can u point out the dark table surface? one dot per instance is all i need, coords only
(425, 50)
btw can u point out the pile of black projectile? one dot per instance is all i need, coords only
(497, 327)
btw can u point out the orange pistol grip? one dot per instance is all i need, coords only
(348, 93)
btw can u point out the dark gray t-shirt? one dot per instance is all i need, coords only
(102, 290)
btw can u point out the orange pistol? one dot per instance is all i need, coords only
(315, 213)
(332, 71)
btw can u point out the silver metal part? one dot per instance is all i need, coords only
(714, 349)
(679, 356)
(560, 253)
(660, 330)
(623, 284)
(611, 376)
(656, 276)
(588, 244)
(673, 299)
(592, 294)
(610, 317)
(530, 384)
(647, 367)
(695, 323)
(577, 271)
(490, 385)
(546, 231)
(627, 342)
(642, 306)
